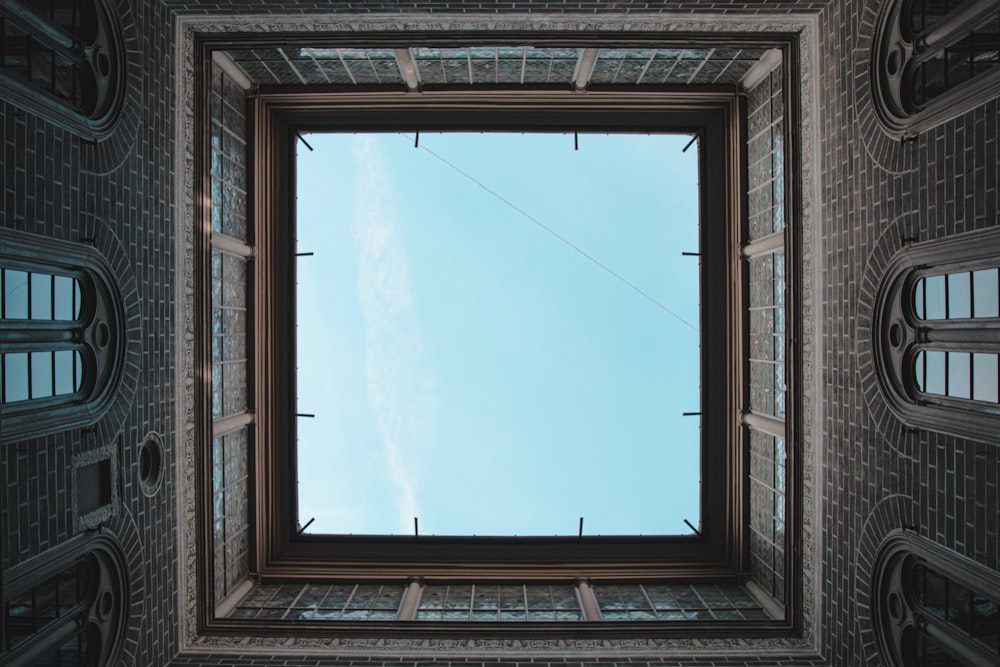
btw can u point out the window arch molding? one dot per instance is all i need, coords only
(928, 600)
(907, 48)
(67, 65)
(71, 601)
(900, 335)
(95, 334)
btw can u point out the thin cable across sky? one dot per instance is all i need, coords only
(558, 236)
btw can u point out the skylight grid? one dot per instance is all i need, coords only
(495, 65)
(486, 602)
(675, 602)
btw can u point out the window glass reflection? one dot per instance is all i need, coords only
(958, 374)
(960, 295)
(986, 302)
(15, 294)
(934, 298)
(15, 377)
(41, 296)
(984, 378)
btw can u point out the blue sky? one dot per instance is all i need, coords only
(467, 367)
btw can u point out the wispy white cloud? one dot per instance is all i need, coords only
(399, 378)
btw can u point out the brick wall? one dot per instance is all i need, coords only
(117, 192)
(875, 191)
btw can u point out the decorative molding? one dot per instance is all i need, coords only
(102, 514)
(123, 528)
(890, 514)
(115, 148)
(888, 152)
(805, 26)
(889, 428)
(184, 335)
(402, 648)
(810, 317)
(151, 462)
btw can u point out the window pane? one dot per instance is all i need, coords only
(986, 40)
(932, 591)
(75, 651)
(985, 623)
(930, 654)
(959, 296)
(973, 53)
(918, 370)
(935, 372)
(15, 377)
(41, 296)
(15, 295)
(986, 301)
(959, 603)
(15, 60)
(77, 300)
(41, 67)
(929, 79)
(934, 291)
(65, 368)
(64, 298)
(68, 81)
(927, 13)
(984, 377)
(918, 299)
(41, 374)
(959, 63)
(958, 375)
(78, 378)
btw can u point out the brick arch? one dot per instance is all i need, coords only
(107, 243)
(893, 238)
(110, 152)
(890, 154)
(889, 514)
(123, 528)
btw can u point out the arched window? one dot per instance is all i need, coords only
(937, 335)
(933, 60)
(61, 326)
(64, 60)
(67, 607)
(933, 606)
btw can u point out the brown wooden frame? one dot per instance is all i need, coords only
(720, 553)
